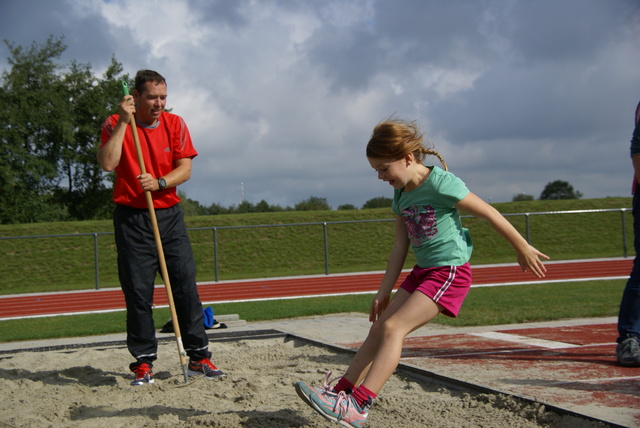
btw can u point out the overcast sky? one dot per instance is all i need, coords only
(281, 96)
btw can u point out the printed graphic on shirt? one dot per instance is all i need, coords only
(421, 223)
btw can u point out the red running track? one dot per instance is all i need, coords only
(112, 299)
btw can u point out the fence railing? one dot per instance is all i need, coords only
(325, 225)
(623, 225)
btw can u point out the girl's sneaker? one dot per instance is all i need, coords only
(341, 408)
(305, 391)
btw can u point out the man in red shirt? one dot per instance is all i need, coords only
(168, 152)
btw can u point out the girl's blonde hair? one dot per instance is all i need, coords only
(395, 138)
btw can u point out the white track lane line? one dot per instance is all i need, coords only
(524, 340)
(601, 380)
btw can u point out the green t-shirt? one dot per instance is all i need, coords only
(433, 223)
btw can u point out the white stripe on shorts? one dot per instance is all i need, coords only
(447, 283)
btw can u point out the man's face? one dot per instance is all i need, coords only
(150, 103)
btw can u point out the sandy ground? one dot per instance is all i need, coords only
(90, 387)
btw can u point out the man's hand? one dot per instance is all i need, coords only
(148, 182)
(127, 109)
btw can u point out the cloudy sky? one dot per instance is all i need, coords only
(281, 95)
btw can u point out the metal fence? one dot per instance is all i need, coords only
(325, 225)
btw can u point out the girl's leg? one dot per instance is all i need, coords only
(396, 319)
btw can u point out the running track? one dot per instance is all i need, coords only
(111, 299)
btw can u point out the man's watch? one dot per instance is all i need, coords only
(161, 184)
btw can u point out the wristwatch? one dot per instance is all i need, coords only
(161, 184)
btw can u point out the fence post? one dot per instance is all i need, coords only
(215, 253)
(326, 249)
(624, 232)
(95, 260)
(528, 227)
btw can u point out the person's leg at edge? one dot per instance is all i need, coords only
(629, 315)
(628, 348)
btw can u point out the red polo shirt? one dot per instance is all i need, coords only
(161, 146)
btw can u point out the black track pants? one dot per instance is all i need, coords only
(138, 266)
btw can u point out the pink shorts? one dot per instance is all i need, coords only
(445, 285)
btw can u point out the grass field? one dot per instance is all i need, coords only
(67, 263)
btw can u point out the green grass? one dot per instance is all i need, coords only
(67, 263)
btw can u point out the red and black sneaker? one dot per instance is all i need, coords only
(204, 367)
(143, 372)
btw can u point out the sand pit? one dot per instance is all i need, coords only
(89, 388)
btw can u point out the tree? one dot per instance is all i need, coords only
(216, 209)
(91, 101)
(314, 203)
(50, 116)
(521, 197)
(189, 206)
(264, 207)
(379, 202)
(28, 102)
(346, 207)
(559, 190)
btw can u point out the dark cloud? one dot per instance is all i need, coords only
(281, 95)
(86, 34)
(349, 57)
(220, 12)
(567, 31)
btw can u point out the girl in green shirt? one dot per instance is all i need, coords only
(427, 201)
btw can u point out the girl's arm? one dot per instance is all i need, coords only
(528, 256)
(394, 267)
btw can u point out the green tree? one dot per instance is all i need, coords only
(521, 197)
(379, 202)
(314, 203)
(92, 100)
(50, 116)
(246, 207)
(216, 209)
(559, 190)
(346, 207)
(189, 206)
(264, 207)
(27, 113)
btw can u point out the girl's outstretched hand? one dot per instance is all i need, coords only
(379, 304)
(529, 259)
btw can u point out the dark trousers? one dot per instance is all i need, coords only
(138, 266)
(629, 315)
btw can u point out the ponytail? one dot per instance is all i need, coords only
(436, 154)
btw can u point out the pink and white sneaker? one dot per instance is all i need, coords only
(341, 408)
(305, 391)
